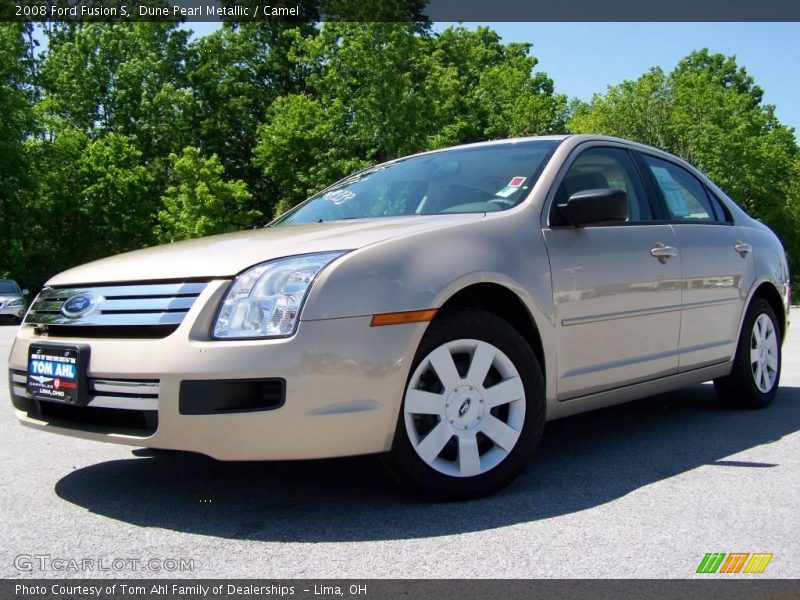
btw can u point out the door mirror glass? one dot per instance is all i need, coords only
(596, 206)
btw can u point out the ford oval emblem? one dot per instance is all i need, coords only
(79, 305)
(464, 408)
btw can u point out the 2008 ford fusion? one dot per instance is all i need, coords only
(438, 309)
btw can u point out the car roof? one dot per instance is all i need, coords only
(575, 139)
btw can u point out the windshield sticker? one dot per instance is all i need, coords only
(339, 196)
(506, 191)
(516, 182)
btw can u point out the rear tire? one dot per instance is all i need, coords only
(753, 381)
(473, 410)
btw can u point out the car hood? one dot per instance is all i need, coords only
(9, 297)
(228, 254)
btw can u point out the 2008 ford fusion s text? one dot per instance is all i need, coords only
(437, 309)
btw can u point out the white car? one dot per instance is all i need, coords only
(12, 301)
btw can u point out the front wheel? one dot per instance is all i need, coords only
(753, 381)
(473, 409)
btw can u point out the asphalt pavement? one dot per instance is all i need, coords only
(641, 490)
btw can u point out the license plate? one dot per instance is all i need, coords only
(58, 373)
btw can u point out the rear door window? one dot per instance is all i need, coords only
(684, 196)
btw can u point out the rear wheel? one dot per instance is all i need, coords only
(473, 409)
(753, 381)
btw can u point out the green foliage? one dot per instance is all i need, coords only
(50, 229)
(297, 149)
(198, 202)
(92, 199)
(236, 73)
(375, 91)
(487, 90)
(114, 76)
(637, 110)
(16, 123)
(115, 196)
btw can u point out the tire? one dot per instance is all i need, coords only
(458, 436)
(753, 381)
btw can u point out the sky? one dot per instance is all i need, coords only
(584, 58)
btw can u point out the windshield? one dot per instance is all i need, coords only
(475, 179)
(7, 286)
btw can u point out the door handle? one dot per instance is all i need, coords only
(663, 252)
(743, 248)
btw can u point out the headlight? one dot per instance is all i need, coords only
(265, 300)
(15, 302)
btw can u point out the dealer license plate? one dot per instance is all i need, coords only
(57, 373)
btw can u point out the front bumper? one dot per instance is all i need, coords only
(344, 386)
(12, 311)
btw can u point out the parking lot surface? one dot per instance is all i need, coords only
(639, 490)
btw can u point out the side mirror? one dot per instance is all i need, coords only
(25, 292)
(589, 207)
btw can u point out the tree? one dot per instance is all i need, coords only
(487, 90)
(236, 73)
(198, 202)
(115, 200)
(299, 149)
(126, 78)
(16, 124)
(637, 110)
(52, 198)
(377, 91)
(98, 194)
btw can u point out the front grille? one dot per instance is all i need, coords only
(117, 310)
(115, 406)
(123, 394)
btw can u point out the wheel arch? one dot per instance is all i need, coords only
(506, 304)
(767, 291)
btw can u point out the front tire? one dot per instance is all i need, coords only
(753, 381)
(473, 409)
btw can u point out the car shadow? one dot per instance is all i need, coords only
(584, 461)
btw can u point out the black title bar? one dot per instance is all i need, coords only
(399, 10)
